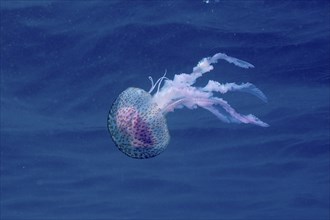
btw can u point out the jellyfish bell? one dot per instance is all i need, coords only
(137, 125)
(137, 122)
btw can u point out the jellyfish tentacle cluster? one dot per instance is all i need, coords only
(179, 92)
(137, 120)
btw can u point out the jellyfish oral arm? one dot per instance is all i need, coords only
(232, 60)
(214, 86)
(179, 92)
(229, 114)
(205, 66)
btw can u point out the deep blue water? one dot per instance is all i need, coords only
(63, 63)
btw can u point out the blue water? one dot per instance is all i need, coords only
(63, 63)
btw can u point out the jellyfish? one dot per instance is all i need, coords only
(137, 122)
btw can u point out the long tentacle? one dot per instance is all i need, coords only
(159, 81)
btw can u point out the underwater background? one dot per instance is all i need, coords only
(63, 63)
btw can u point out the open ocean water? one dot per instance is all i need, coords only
(63, 63)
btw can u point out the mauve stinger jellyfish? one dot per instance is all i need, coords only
(137, 120)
